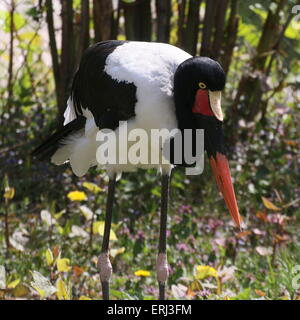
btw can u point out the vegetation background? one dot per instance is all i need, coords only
(51, 222)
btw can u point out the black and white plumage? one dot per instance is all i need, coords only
(150, 86)
(134, 81)
(117, 81)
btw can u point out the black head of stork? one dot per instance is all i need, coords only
(149, 85)
(198, 83)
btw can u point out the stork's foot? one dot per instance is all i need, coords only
(105, 270)
(162, 271)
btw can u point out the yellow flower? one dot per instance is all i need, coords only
(203, 272)
(142, 273)
(77, 196)
(63, 265)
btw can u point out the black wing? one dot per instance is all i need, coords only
(109, 100)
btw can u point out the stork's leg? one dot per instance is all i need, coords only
(162, 264)
(104, 264)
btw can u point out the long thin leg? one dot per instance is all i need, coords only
(104, 264)
(162, 264)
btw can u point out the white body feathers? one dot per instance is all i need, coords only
(150, 67)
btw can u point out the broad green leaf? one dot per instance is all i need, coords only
(293, 30)
(60, 229)
(18, 19)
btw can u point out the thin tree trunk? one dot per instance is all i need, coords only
(181, 19)
(116, 21)
(191, 30)
(163, 13)
(103, 19)
(67, 56)
(53, 47)
(210, 10)
(138, 22)
(219, 28)
(84, 26)
(145, 19)
(230, 35)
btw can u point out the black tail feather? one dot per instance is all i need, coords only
(49, 147)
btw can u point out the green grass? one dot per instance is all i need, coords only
(256, 263)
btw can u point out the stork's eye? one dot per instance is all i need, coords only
(202, 85)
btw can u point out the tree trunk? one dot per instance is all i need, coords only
(209, 18)
(230, 36)
(219, 28)
(116, 21)
(53, 47)
(84, 26)
(163, 13)
(181, 19)
(81, 31)
(103, 19)
(138, 23)
(67, 56)
(191, 30)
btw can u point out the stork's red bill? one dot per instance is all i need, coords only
(207, 108)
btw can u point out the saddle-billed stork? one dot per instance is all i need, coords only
(148, 86)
